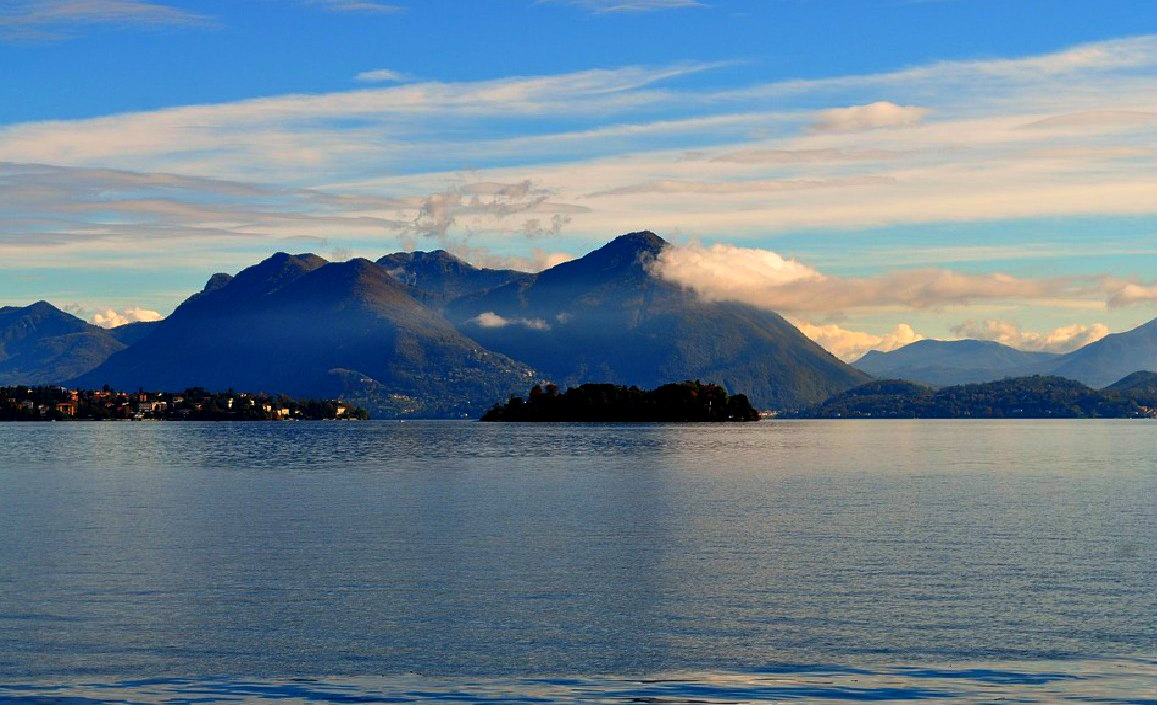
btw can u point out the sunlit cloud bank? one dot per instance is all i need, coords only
(766, 279)
(1062, 339)
(851, 345)
(111, 318)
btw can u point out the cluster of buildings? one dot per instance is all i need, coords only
(61, 403)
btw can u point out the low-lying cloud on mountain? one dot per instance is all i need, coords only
(767, 279)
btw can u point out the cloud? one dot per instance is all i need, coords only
(1130, 294)
(805, 156)
(47, 20)
(675, 186)
(766, 279)
(867, 117)
(1059, 340)
(606, 6)
(728, 272)
(381, 76)
(111, 318)
(484, 203)
(48, 208)
(361, 6)
(535, 227)
(490, 319)
(851, 345)
(334, 134)
(1094, 118)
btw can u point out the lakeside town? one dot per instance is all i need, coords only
(55, 403)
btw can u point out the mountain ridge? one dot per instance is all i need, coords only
(945, 363)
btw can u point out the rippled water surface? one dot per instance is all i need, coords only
(465, 562)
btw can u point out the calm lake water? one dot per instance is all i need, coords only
(965, 561)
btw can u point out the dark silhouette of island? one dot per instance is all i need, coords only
(687, 401)
(1035, 397)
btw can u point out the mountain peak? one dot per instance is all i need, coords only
(624, 259)
(642, 242)
(217, 281)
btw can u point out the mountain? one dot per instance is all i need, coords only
(946, 362)
(606, 318)
(439, 276)
(1112, 357)
(941, 363)
(40, 344)
(130, 333)
(299, 325)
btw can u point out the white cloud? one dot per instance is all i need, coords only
(1131, 294)
(362, 6)
(677, 186)
(1060, 340)
(867, 117)
(851, 345)
(728, 272)
(381, 76)
(49, 20)
(111, 318)
(490, 319)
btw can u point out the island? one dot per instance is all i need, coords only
(1035, 397)
(48, 403)
(683, 402)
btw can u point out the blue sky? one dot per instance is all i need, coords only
(877, 171)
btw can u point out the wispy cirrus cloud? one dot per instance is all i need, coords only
(610, 6)
(49, 20)
(359, 6)
(72, 217)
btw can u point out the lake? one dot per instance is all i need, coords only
(823, 561)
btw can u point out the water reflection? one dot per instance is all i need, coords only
(511, 550)
(1124, 682)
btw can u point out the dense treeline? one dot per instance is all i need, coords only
(1019, 397)
(196, 404)
(688, 401)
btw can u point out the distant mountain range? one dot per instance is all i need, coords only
(425, 334)
(948, 362)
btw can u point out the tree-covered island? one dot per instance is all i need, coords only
(687, 401)
(1036, 397)
(47, 403)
